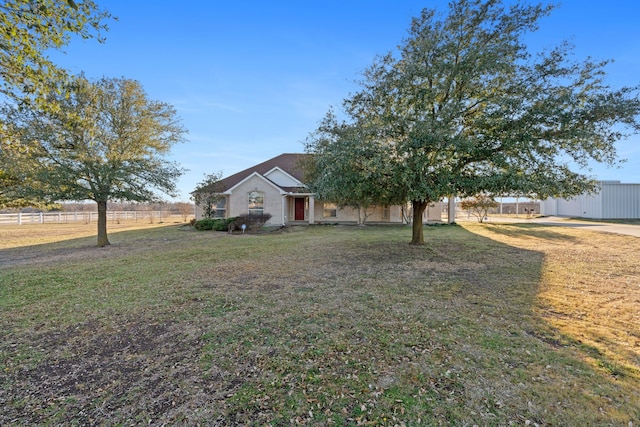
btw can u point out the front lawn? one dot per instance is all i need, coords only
(496, 324)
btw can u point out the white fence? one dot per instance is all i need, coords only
(68, 217)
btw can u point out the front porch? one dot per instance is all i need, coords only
(301, 209)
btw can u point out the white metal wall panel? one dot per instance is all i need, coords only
(591, 205)
(621, 201)
(572, 207)
(548, 207)
(614, 201)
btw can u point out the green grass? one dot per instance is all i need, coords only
(323, 326)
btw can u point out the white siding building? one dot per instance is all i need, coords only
(614, 200)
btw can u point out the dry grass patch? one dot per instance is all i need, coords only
(590, 290)
(14, 236)
(324, 326)
(42, 243)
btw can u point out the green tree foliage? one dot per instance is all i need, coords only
(341, 161)
(479, 206)
(30, 28)
(7, 198)
(464, 108)
(105, 141)
(208, 193)
(11, 184)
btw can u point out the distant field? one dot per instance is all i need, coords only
(495, 324)
(13, 236)
(65, 217)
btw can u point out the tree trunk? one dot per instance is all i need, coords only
(102, 224)
(418, 209)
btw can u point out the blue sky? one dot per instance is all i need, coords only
(251, 79)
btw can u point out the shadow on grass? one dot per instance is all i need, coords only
(325, 325)
(539, 231)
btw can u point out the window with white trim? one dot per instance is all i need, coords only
(256, 202)
(220, 209)
(330, 210)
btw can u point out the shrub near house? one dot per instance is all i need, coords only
(216, 224)
(253, 222)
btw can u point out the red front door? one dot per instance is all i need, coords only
(299, 209)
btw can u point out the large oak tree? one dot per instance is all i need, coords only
(31, 28)
(463, 107)
(106, 140)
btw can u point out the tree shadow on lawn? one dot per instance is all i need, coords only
(587, 305)
(341, 325)
(538, 231)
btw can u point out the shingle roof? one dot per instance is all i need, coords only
(288, 162)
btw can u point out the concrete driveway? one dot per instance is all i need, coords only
(630, 230)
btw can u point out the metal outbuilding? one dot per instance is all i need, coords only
(614, 200)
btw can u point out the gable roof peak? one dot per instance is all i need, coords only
(287, 162)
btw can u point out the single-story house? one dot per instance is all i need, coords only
(276, 186)
(614, 200)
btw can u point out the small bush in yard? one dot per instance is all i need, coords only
(253, 221)
(215, 224)
(204, 224)
(479, 206)
(222, 224)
